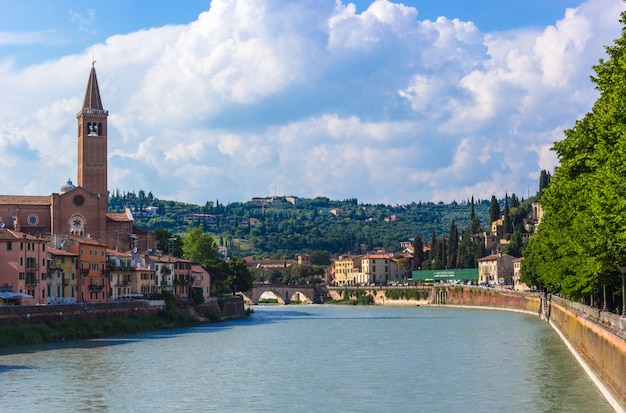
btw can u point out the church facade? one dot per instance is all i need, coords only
(80, 210)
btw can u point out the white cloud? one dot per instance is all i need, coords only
(311, 98)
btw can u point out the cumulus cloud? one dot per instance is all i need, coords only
(310, 99)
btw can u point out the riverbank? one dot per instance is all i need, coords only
(597, 339)
(22, 325)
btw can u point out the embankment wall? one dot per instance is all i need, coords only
(598, 338)
(230, 307)
(603, 350)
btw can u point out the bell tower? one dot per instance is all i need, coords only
(92, 140)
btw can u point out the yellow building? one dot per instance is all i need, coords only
(61, 277)
(344, 269)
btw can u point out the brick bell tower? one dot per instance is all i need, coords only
(92, 140)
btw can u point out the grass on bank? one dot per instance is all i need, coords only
(21, 334)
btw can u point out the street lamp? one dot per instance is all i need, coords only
(623, 271)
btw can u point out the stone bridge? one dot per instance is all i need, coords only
(285, 294)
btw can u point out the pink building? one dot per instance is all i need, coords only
(23, 265)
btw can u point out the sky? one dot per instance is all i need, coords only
(225, 100)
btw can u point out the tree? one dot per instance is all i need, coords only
(319, 257)
(581, 241)
(544, 181)
(168, 243)
(239, 277)
(453, 246)
(494, 209)
(514, 247)
(418, 253)
(507, 227)
(199, 246)
(474, 226)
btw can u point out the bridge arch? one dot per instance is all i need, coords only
(285, 294)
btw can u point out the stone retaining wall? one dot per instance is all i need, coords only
(231, 307)
(603, 350)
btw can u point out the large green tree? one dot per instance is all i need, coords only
(199, 246)
(581, 242)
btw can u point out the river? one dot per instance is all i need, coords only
(311, 359)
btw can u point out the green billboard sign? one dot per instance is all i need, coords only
(466, 274)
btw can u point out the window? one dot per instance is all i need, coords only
(9, 245)
(21, 246)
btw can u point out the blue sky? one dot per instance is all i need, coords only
(383, 102)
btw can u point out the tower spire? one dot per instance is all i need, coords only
(92, 94)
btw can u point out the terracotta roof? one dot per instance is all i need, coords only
(492, 257)
(85, 240)
(25, 200)
(119, 216)
(118, 253)
(56, 251)
(9, 234)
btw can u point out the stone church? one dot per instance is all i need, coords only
(82, 209)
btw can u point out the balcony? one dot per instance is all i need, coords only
(66, 282)
(96, 287)
(84, 271)
(31, 279)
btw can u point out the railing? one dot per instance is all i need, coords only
(32, 279)
(66, 282)
(84, 271)
(96, 287)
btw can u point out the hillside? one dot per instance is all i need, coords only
(275, 227)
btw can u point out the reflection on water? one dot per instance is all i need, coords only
(314, 359)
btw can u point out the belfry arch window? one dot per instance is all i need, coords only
(94, 129)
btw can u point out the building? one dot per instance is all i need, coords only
(379, 268)
(79, 210)
(518, 285)
(201, 280)
(92, 283)
(24, 266)
(345, 268)
(173, 274)
(61, 276)
(304, 259)
(496, 269)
